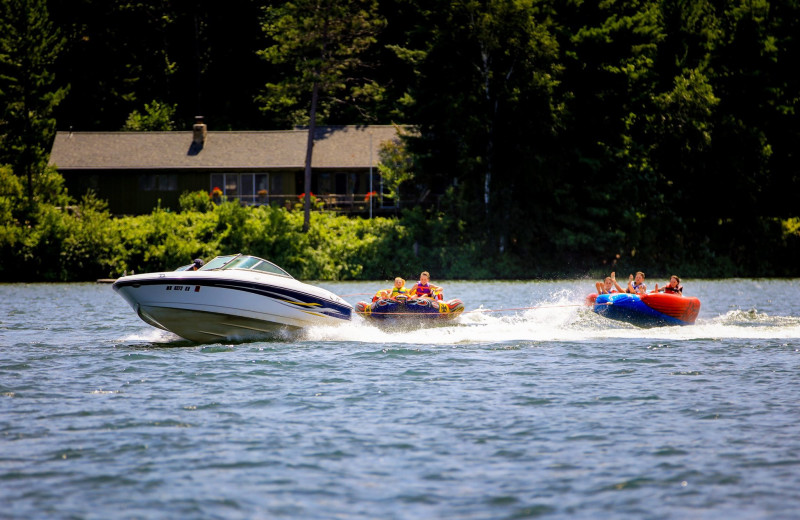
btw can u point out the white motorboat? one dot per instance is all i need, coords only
(230, 297)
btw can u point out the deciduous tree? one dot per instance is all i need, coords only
(320, 42)
(484, 100)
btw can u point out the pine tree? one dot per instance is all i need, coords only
(321, 41)
(29, 45)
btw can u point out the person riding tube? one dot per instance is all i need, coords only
(424, 289)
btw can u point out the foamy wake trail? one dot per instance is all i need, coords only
(558, 318)
(151, 335)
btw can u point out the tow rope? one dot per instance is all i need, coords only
(510, 309)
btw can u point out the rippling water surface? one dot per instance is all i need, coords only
(528, 406)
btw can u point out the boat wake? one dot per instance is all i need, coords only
(556, 320)
(753, 318)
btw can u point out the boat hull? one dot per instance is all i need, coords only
(206, 307)
(647, 310)
(204, 327)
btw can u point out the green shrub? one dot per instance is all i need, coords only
(199, 201)
(83, 242)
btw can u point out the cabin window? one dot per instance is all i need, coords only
(147, 182)
(325, 184)
(158, 182)
(228, 183)
(276, 184)
(168, 182)
(248, 188)
(232, 185)
(254, 188)
(217, 181)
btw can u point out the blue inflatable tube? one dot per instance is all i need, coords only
(631, 309)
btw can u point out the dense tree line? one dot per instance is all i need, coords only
(571, 135)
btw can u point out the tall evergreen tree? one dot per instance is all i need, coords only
(321, 41)
(484, 102)
(607, 184)
(758, 83)
(29, 46)
(199, 56)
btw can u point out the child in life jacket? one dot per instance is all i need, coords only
(397, 288)
(673, 287)
(636, 284)
(424, 289)
(609, 285)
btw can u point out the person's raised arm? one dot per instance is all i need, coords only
(616, 285)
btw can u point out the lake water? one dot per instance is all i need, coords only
(533, 407)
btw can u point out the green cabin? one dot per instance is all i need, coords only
(135, 171)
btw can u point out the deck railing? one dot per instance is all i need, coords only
(343, 203)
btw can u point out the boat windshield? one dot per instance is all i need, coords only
(268, 267)
(245, 262)
(217, 262)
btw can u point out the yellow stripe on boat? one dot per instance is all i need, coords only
(309, 304)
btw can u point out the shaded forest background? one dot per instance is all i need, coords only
(553, 138)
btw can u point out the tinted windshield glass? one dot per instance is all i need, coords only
(243, 262)
(252, 262)
(269, 267)
(217, 262)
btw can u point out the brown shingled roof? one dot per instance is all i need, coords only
(335, 147)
